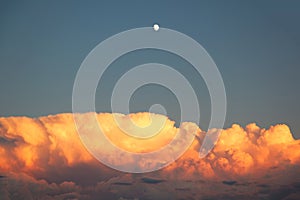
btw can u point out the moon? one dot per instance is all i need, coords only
(156, 27)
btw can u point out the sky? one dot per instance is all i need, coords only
(255, 44)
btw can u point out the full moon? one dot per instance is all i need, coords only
(156, 27)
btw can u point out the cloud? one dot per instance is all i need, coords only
(241, 152)
(46, 154)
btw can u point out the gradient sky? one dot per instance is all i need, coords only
(256, 46)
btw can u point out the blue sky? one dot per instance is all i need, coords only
(255, 44)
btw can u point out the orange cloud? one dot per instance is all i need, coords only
(50, 148)
(29, 144)
(36, 144)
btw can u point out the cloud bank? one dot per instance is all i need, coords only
(45, 158)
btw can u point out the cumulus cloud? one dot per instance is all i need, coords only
(46, 154)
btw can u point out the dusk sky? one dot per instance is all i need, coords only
(256, 46)
(48, 152)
